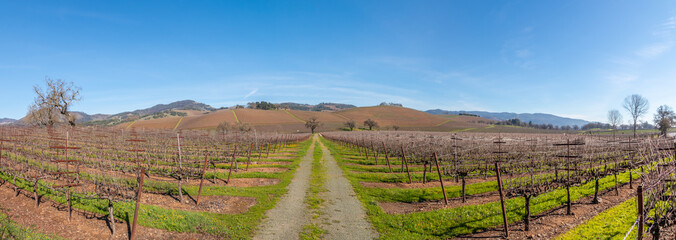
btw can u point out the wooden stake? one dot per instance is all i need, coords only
(502, 199)
(641, 216)
(441, 180)
(204, 172)
(403, 156)
(138, 204)
(387, 158)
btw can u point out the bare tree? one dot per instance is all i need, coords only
(53, 104)
(223, 127)
(312, 124)
(614, 119)
(351, 124)
(395, 127)
(664, 119)
(370, 123)
(637, 106)
(244, 127)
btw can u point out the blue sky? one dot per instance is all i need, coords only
(570, 58)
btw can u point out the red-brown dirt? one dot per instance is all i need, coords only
(52, 218)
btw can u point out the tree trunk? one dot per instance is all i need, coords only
(526, 216)
(463, 189)
(617, 191)
(111, 217)
(596, 191)
(424, 172)
(180, 188)
(568, 205)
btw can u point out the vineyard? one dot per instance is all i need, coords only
(200, 184)
(91, 182)
(462, 185)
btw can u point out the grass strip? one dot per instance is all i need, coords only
(613, 223)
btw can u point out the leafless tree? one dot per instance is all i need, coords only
(53, 104)
(637, 106)
(395, 127)
(664, 118)
(370, 123)
(351, 124)
(244, 127)
(614, 118)
(223, 127)
(312, 124)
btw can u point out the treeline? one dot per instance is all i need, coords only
(588, 126)
(263, 105)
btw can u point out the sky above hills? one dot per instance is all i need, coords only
(570, 58)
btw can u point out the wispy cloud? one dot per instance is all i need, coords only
(251, 93)
(621, 78)
(654, 50)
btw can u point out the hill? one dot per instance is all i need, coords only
(535, 118)
(283, 120)
(179, 108)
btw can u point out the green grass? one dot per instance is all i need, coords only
(11, 230)
(229, 226)
(314, 198)
(449, 223)
(613, 223)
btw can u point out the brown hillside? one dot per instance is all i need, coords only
(265, 117)
(390, 115)
(210, 120)
(293, 120)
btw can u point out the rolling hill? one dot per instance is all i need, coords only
(294, 120)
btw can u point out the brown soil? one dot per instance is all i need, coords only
(554, 222)
(403, 208)
(430, 184)
(395, 167)
(52, 218)
(395, 172)
(213, 204)
(236, 182)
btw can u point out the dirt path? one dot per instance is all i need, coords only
(287, 219)
(345, 217)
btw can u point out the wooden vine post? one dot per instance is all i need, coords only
(403, 157)
(138, 203)
(441, 180)
(387, 158)
(641, 214)
(204, 171)
(502, 198)
(231, 163)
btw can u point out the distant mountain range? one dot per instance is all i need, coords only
(5, 121)
(535, 118)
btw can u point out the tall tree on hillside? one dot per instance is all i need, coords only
(664, 119)
(53, 104)
(614, 119)
(370, 123)
(312, 124)
(351, 124)
(637, 106)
